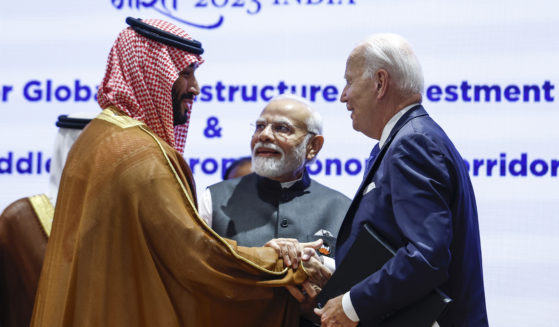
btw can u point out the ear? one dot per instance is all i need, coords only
(381, 82)
(314, 145)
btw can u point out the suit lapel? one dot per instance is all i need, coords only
(414, 112)
(411, 114)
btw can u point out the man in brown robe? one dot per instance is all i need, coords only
(25, 226)
(128, 247)
(23, 240)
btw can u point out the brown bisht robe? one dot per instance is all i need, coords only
(129, 249)
(24, 228)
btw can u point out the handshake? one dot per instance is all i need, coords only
(295, 254)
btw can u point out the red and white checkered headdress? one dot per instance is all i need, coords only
(139, 78)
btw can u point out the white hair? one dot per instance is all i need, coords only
(314, 122)
(394, 54)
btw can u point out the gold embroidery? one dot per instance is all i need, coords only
(44, 210)
(113, 116)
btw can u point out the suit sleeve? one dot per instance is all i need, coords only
(418, 177)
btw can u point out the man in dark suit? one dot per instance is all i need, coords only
(416, 193)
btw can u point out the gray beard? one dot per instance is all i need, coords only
(273, 167)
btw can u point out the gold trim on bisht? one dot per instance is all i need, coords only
(44, 210)
(114, 116)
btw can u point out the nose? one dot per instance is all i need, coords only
(343, 96)
(266, 134)
(193, 86)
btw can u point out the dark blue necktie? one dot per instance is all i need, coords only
(374, 153)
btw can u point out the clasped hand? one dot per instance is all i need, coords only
(294, 252)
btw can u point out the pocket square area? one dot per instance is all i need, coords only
(369, 188)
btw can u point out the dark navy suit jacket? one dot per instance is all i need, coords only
(423, 204)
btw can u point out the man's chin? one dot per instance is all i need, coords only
(267, 166)
(355, 126)
(267, 161)
(179, 120)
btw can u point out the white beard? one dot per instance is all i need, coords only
(273, 167)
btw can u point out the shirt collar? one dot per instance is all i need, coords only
(298, 184)
(392, 122)
(290, 183)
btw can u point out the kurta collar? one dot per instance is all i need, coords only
(270, 185)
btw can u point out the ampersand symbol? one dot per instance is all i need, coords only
(212, 130)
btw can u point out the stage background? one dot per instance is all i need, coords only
(490, 69)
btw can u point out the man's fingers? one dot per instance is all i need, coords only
(274, 245)
(294, 255)
(292, 252)
(311, 289)
(286, 260)
(284, 253)
(318, 312)
(308, 253)
(315, 244)
(281, 250)
(308, 249)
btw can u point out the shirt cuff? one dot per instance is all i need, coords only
(330, 263)
(348, 308)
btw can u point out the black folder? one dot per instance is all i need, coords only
(354, 268)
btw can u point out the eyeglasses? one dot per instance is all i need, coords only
(281, 129)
